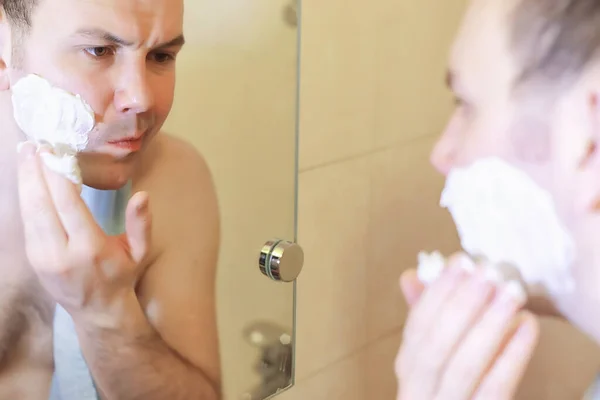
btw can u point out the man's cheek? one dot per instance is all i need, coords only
(93, 93)
(16, 74)
(530, 140)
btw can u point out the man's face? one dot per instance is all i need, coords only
(552, 137)
(119, 55)
(546, 135)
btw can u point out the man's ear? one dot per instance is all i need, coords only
(589, 160)
(5, 50)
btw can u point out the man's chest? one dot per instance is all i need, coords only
(26, 310)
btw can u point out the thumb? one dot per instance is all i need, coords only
(138, 226)
(411, 286)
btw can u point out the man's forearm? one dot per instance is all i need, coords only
(129, 360)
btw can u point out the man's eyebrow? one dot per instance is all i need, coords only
(175, 42)
(96, 33)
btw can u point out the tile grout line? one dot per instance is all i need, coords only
(343, 358)
(366, 153)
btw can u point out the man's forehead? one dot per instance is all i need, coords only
(481, 63)
(134, 6)
(147, 21)
(481, 50)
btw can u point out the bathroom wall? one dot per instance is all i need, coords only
(372, 103)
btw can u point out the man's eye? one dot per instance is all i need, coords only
(100, 51)
(162, 58)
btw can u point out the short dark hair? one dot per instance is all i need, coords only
(19, 11)
(554, 41)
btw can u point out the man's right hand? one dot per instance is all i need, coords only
(466, 337)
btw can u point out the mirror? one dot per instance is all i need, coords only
(236, 101)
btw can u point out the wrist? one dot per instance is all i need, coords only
(123, 316)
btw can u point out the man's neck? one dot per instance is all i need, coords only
(10, 136)
(580, 306)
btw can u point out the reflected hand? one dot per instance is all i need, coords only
(92, 275)
(466, 337)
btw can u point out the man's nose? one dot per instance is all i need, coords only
(134, 95)
(443, 156)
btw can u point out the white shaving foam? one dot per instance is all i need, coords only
(430, 266)
(51, 116)
(503, 215)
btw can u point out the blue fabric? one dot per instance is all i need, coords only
(593, 392)
(72, 379)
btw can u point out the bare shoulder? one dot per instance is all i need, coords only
(181, 189)
(173, 162)
(178, 288)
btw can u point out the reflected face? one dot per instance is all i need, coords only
(544, 133)
(552, 135)
(119, 55)
(480, 73)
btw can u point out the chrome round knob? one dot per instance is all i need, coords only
(281, 261)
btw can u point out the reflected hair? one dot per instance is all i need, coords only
(554, 41)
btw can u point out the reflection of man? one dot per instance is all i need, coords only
(143, 337)
(527, 81)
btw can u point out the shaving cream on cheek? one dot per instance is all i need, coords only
(502, 215)
(51, 116)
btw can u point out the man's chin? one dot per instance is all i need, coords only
(107, 177)
(104, 185)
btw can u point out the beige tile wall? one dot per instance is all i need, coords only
(372, 102)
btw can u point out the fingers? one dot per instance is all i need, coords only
(411, 287)
(502, 381)
(431, 302)
(460, 328)
(41, 222)
(138, 226)
(436, 326)
(436, 295)
(452, 325)
(76, 218)
(482, 343)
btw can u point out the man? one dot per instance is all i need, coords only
(526, 75)
(144, 312)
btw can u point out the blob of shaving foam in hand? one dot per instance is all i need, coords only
(502, 215)
(53, 117)
(431, 266)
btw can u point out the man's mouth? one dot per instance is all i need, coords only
(132, 144)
